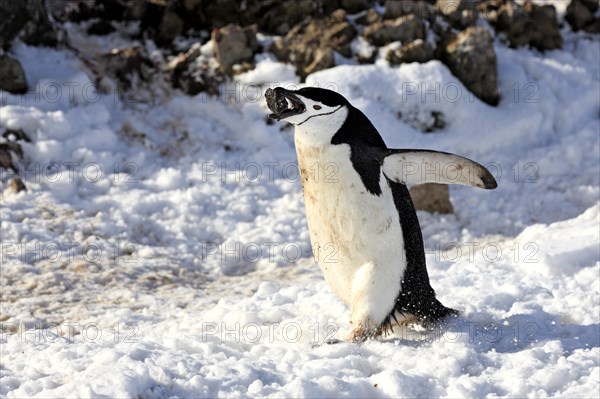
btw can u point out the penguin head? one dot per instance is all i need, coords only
(299, 106)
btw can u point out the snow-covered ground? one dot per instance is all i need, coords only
(161, 249)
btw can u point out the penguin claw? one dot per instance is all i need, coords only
(359, 335)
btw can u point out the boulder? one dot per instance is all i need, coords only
(405, 29)
(594, 26)
(415, 51)
(27, 18)
(398, 8)
(10, 154)
(100, 28)
(592, 5)
(472, 59)
(354, 6)
(432, 197)
(280, 17)
(368, 18)
(12, 76)
(190, 74)
(579, 14)
(233, 44)
(219, 13)
(310, 45)
(15, 186)
(529, 24)
(14, 18)
(128, 66)
(459, 13)
(545, 31)
(171, 26)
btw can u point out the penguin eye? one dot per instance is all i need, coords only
(317, 107)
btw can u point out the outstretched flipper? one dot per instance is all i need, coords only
(425, 166)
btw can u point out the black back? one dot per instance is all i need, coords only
(365, 144)
(367, 151)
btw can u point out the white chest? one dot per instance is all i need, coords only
(349, 226)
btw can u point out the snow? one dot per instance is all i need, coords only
(148, 260)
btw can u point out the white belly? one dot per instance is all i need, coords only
(350, 227)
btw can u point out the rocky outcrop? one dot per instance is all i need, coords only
(415, 51)
(12, 76)
(432, 197)
(397, 8)
(193, 73)
(369, 17)
(472, 59)
(527, 24)
(460, 13)
(29, 20)
(129, 66)
(233, 44)
(310, 45)
(171, 26)
(15, 185)
(405, 29)
(11, 154)
(580, 15)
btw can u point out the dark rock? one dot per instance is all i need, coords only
(169, 28)
(593, 27)
(368, 18)
(592, 5)
(12, 76)
(193, 15)
(398, 8)
(439, 122)
(416, 51)
(322, 58)
(16, 135)
(112, 10)
(38, 31)
(405, 29)
(100, 28)
(10, 154)
(128, 66)
(193, 76)
(15, 186)
(233, 45)
(424, 122)
(222, 12)
(282, 16)
(27, 18)
(529, 24)
(432, 197)
(579, 15)
(179, 69)
(310, 45)
(546, 32)
(472, 59)
(14, 18)
(460, 13)
(192, 5)
(354, 6)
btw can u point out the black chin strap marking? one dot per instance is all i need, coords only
(328, 113)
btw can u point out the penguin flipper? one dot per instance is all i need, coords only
(407, 166)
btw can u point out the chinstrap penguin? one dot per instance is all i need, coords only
(363, 226)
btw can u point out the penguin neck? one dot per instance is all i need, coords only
(358, 131)
(318, 131)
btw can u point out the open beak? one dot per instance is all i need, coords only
(283, 103)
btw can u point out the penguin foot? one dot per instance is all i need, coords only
(362, 332)
(357, 336)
